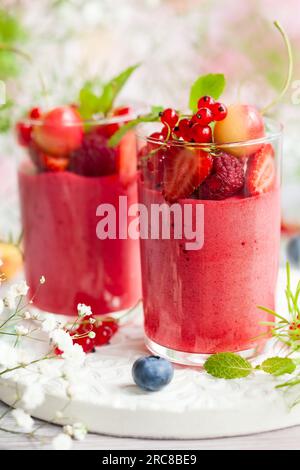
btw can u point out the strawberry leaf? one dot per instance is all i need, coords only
(212, 84)
(151, 117)
(227, 366)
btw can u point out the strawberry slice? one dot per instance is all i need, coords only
(261, 171)
(126, 161)
(185, 169)
(53, 163)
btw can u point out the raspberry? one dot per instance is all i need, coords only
(226, 179)
(93, 157)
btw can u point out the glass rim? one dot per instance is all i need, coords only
(97, 120)
(269, 137)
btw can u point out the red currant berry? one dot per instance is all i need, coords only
(105, 331)
(156, 136)
(57, 352)
(165, 132)
(206, 102)
(201, 134)
(219, 111)
(23, 133)
(35, 113)
(203, 116)
(169, 117)
(88, 344)
(184, 128)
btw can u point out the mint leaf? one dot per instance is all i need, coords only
(151, 117)
(278, 366)
(227, 366)
(95, 98)
(212, 84)
(5, 116)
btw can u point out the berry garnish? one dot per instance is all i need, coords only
(169, 117)
(226, 179)
(152, 373)
(93, 157)
(105, 331)
(184, 170)
(53, 163)
(219, 111)
(23, 133)
(260, 174)
(201, 134)
(35, 113)
(122, 111)
(203, 116)
(60, 132)
(242, 123)
(206, 102)
(184, 129)
(81, 337)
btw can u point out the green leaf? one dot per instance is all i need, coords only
(212, 84)
(227, 366)
(278, 366)
(11, 32)
(5, 116)
(151, 117)
(95, 98)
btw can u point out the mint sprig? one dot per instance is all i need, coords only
(278, 366)
(153, 116)
(97, 98)
(212, 84)
(228, 366)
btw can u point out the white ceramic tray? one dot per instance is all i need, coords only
(194, 405)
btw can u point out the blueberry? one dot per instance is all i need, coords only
(293, 251)
(152, 373)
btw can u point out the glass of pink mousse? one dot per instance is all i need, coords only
(68, 178)
(209, 240)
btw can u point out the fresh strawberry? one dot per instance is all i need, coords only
(126, 158)
(184, 170)
(260, 174)
(53, 163)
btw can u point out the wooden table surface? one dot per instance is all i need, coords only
(288, 439)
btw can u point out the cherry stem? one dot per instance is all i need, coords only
(289, 72)
(28, 58)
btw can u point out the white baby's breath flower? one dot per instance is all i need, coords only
(33, 396)
(92, 334)
(23, 419)
(84, 310)
(78, 431)
(42, 280)
(49, 324)
(62, 339)
(26, 315)
(76, 355)
(62, 442)
(22, 288)
(21, 330)
(92, 320)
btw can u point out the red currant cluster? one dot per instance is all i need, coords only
(24, 129)
(103, 330)
(191, 129)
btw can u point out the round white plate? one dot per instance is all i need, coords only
(194, 405)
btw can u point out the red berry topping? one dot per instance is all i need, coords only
(226, 179)
(23, 133)
(184, 128)
(35, 113)
(122, 111)
(260, 174)
(60, 132)
(203, 116)
(184, 170)
(93, 157)
(206, 102)
(165, 132)
(105, 331)
(169, 117)
(88, 344)
(53, 163)
(219, 111)
(201, 134)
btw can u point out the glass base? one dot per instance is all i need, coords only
(194, 359)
